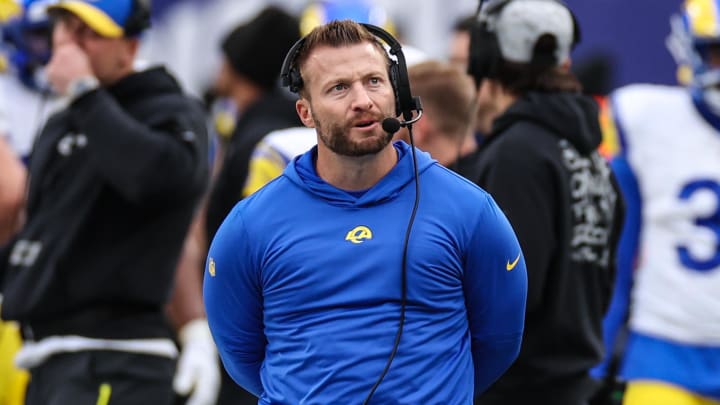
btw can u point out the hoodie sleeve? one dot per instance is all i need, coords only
(522, 185)
(169, 160)
(495, 283)
(232, 292)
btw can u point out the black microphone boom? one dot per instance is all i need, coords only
(391, 125)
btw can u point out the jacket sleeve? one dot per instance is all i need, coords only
(137, 160)
(522, 185)
(232, 292)
(495, 284)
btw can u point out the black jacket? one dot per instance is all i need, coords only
(114, 181)
(542, 167)
(274, 110)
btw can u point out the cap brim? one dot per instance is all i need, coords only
(95, 18)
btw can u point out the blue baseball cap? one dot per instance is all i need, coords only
(106, 17)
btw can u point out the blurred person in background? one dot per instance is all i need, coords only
(540, 163)
(459, 51)
(12, 197)
(28, 97)
(668, 167)
(25, 102)
(320, 12)
(248, 79)
(253, 53)
(115, 177)
(446, 129)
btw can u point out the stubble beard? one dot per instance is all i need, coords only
(336, 138)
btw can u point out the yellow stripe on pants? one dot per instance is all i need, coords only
(104, 395)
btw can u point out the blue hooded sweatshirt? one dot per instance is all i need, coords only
(303, 288)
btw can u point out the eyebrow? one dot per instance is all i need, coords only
(327, 80)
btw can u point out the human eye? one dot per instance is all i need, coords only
(338, 87)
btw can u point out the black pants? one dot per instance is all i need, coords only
(571, 390)
(100, 378)
(233, 394)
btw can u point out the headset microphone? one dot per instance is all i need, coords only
(392, 125)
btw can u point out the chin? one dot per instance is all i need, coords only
(367, 146)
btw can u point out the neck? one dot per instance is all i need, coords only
(114, 78)
(469, 144)
(453, 148)
(504, 100)
(354, 173)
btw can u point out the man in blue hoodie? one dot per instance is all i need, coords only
(327, 286)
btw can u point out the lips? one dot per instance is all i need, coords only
(364, 124)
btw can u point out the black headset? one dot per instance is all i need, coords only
(138, 20)
(405, 103)
(485, 55)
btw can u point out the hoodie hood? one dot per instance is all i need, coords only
(150, 82)
(301, 171)
(570, 116)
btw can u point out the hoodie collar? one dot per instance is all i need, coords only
(301, 171)
(570, 116)
(144, 83)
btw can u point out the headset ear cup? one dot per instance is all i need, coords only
(473, 67)
(296, 81)
(485, 54)
(138, 20)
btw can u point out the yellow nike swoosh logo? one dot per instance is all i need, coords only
(509, 266)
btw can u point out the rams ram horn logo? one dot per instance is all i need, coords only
(359, 234)
(211, 267)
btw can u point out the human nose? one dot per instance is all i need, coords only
(361, 98)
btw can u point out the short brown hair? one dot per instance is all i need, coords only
(335, 34)
(447, 93)
(521, 78)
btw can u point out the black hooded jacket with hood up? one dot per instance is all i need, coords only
(541, 165)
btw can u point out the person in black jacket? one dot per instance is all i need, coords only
(540, 162)
(114, 180)
(253, 53)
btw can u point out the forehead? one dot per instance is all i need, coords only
(328, 63)
(73, 22)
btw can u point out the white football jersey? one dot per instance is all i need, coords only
(274, 152)
(675, 156)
